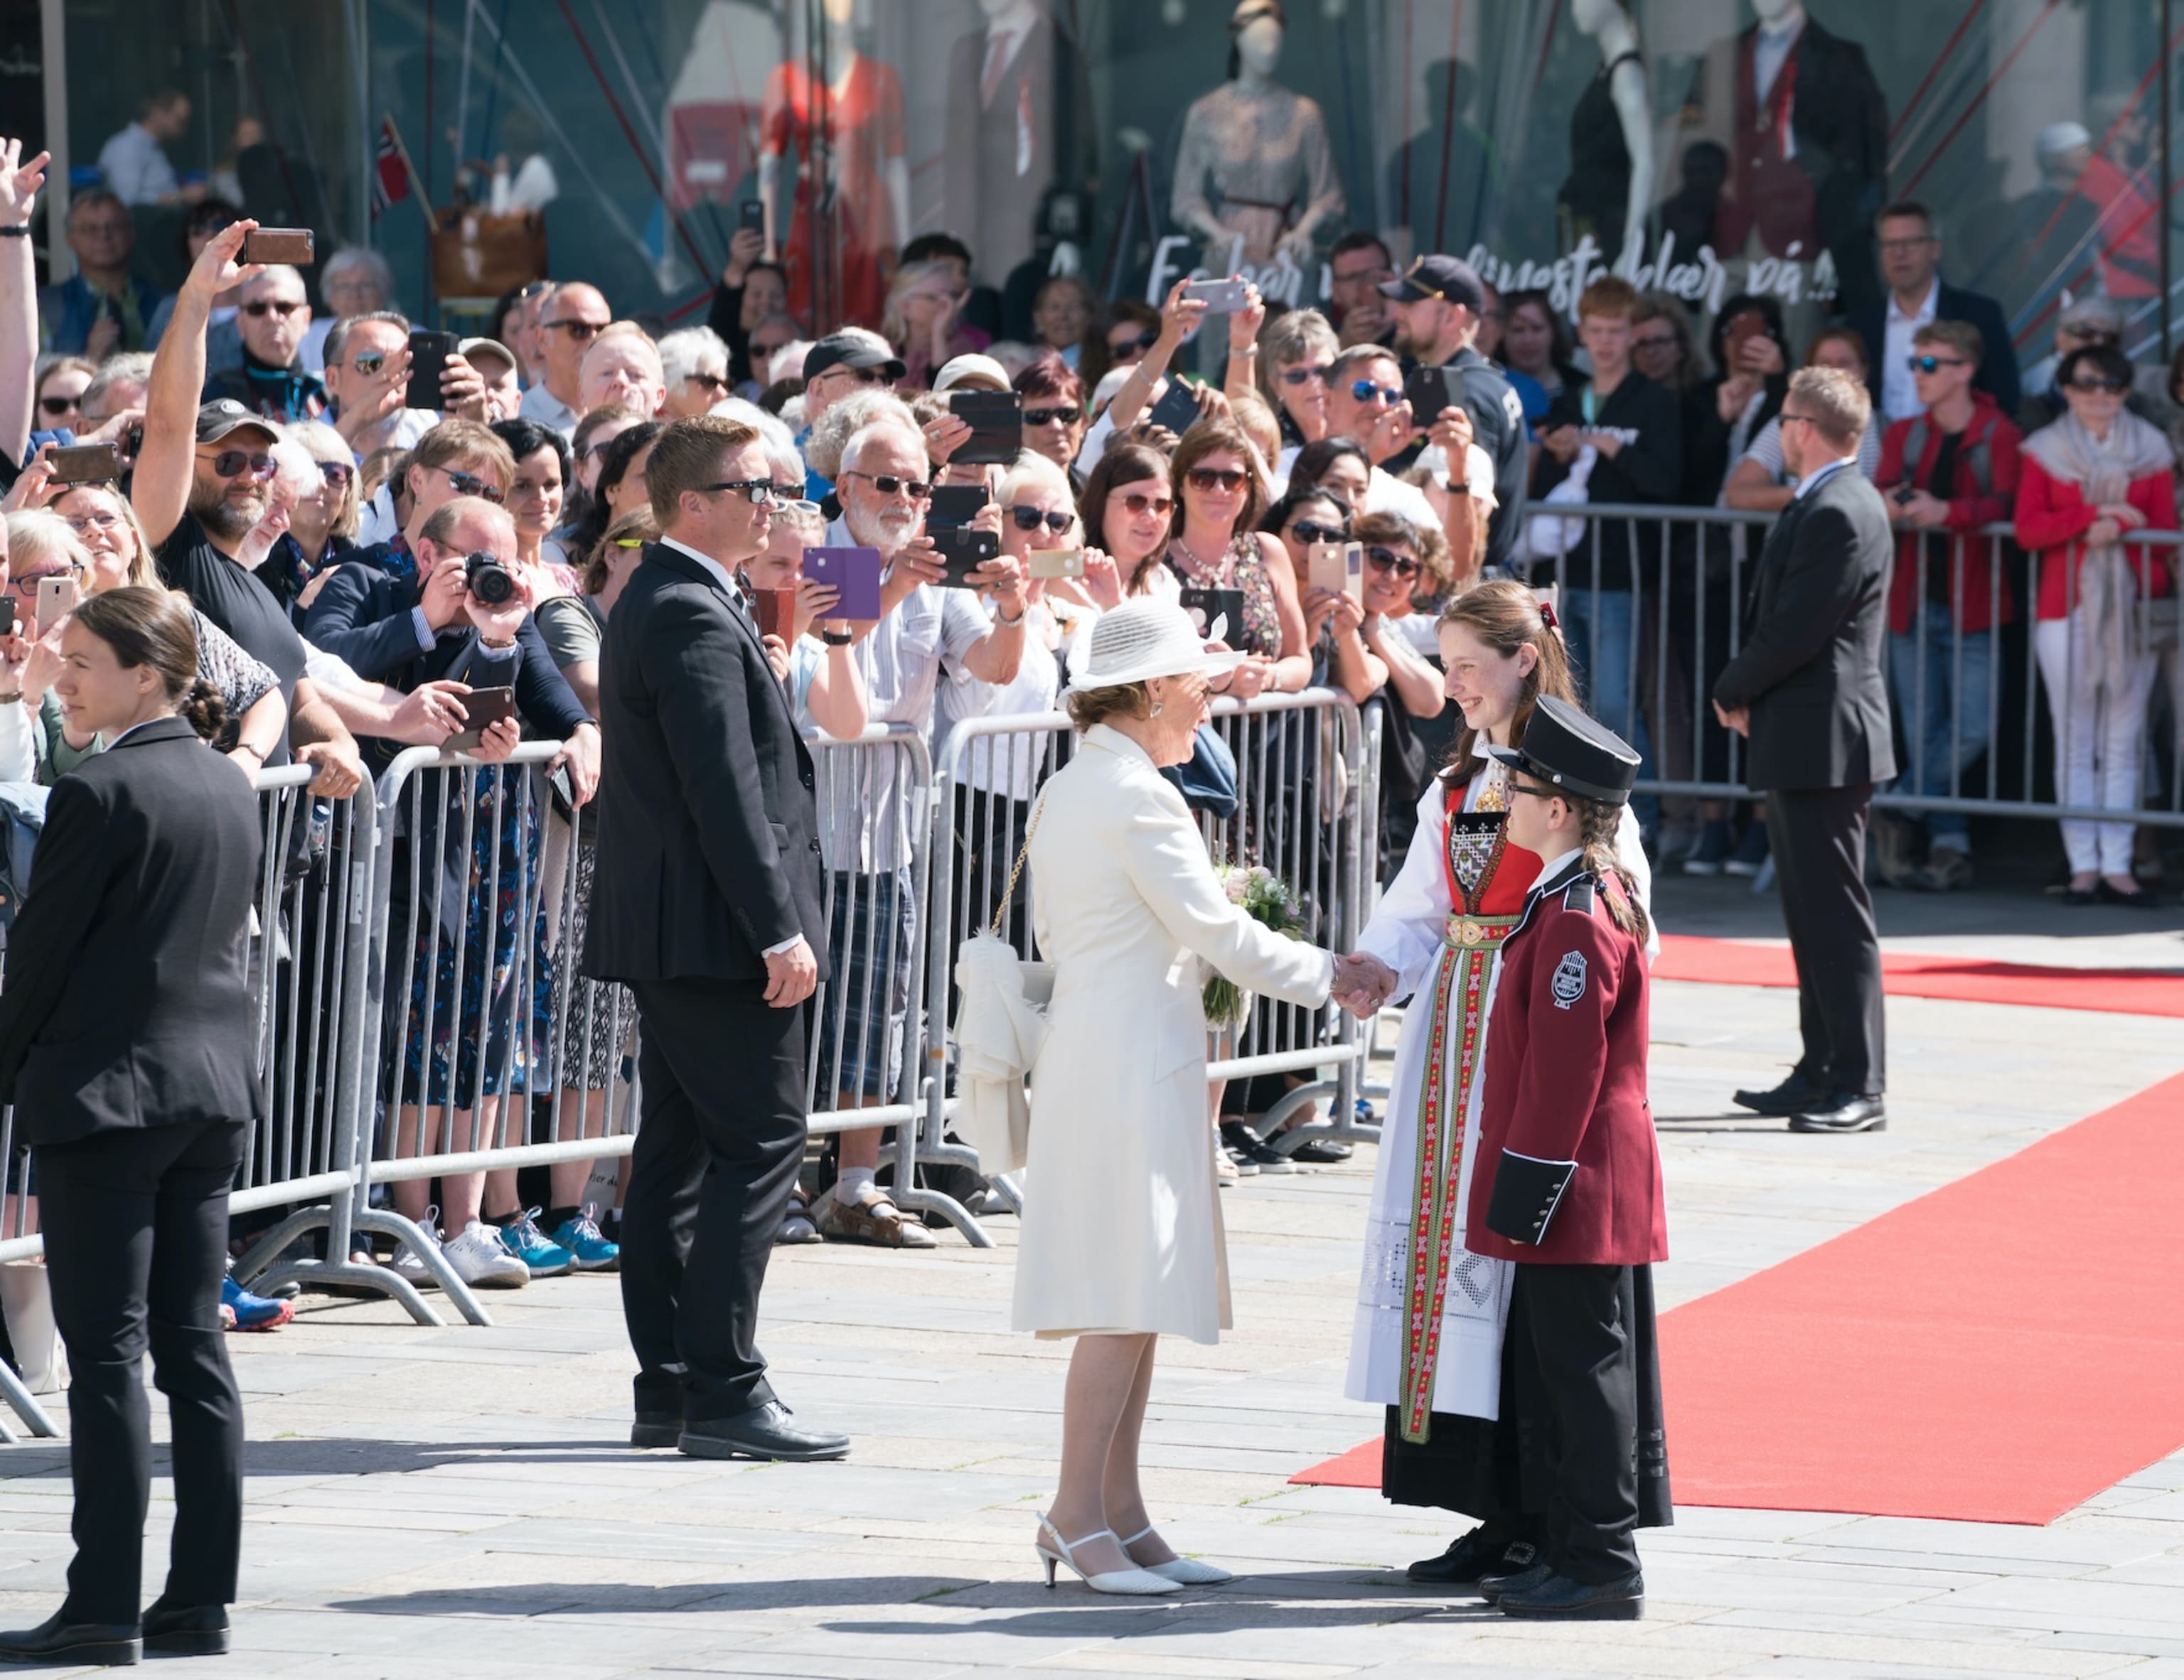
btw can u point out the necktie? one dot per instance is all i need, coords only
(997, 60)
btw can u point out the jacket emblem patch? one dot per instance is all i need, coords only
(1569, 980)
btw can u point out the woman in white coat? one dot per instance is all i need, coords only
(1121, 1223)
(1452, 1441)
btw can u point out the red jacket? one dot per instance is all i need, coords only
(1564, 1127)
(1972, 563)
(2052, 515)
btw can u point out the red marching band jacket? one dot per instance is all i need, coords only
(1570, 1173)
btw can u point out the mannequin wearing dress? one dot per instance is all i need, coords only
(1263, 149)
(1609, 189)
(842, 231)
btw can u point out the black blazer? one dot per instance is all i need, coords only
(1814, 636)
(708, 829)
(127, 1001)
(1998, 370)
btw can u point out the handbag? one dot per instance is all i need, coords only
(1000, 1027)
(1208, 779)
(27, 1302)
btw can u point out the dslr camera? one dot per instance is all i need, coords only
(490, 581)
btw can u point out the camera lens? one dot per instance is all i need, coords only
(490, 581)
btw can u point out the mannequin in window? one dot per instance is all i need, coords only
(842, 231)
(1610, 184)
(1261, 149)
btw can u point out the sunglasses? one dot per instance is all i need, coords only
(2111, 386)
(758, 492)
(230, 463)
(578, 330)
(262, 307)
(712, 381)
(1048, 416)
(1137, 501)
(1311, 531)
(1365, 391)
(1387, 560)
(863, 375)
(1226, 479)
(336, 474)
(369, 362)
(1030, 519)
(1305, 375)
(469, 484)
(889, 485)
(1133, 347)
(60, 405)
(792, 495)
(1932, 364)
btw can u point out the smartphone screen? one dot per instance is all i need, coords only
(7, 615)
(753, 213)
(428, 355)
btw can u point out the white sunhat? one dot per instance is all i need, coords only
(1144, 639)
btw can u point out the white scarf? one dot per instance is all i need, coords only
(2103, 471)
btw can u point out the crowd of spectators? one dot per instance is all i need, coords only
(329, 536)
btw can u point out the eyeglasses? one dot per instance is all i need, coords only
(1305, 375)
(1137, 501)
(258, 309)
(337, 474)
(863, 375)
(27, 583)
(1365, 391)
(1933, 363)
(1797, 419)
(1133, 347)
(1048, 416)
(1311, 531)
(1900, 245)
(2088, 336)
(758, 492)
(58, 407)
(469, 484)
(1387, 560)
(369, 362)
(712, 381)
(1660, 341)
(2113, 387)
(792, 495)
(81, 523)
(579, 331)
(889, 485)
(1533, 793)
(1031, 518)
(231, 463)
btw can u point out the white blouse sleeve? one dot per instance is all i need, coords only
(1631, 853)
(19, 753)
(1167, 864)
(1406, 930)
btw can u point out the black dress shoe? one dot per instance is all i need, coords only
(656, 1429)
(59, 1644)
(1480, 1552)
(762, 1432)
(1794, 1096)
(186, 1630)
(1846, 1112)
(1534, 1574)
(1568, 1600)
(1321, 1152)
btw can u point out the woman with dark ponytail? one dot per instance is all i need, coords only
(1437, 935)
(125, 1047)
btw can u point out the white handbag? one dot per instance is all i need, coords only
(1000, 1027)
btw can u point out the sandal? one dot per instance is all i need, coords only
(872, 1219)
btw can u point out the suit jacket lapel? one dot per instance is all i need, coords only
(676, 560)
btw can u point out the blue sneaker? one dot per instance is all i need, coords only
(246, 1311)
(541, 1259)
(581, 1237)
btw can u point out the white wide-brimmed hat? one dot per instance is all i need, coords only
(1144, 639)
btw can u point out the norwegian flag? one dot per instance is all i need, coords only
(390, 171)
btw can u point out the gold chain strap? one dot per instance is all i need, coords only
(1016, 874)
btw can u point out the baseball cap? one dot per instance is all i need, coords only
(215, 419)
(2093, 315)
(1450, 279)
(844, 349)
(471, 348)
(963, 369)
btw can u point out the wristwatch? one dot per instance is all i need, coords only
(1457, 489)
(838, 639)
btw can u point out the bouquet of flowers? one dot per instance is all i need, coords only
(1266, 899)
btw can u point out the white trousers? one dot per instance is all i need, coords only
(2099, 720)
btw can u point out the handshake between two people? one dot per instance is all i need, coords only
(1362, 983)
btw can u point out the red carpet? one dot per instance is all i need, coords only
(1997, 1351)
(1967, 979)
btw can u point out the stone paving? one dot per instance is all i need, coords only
(459, 1502)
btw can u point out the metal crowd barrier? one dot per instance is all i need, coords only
(1306, 807)
(1995, 753)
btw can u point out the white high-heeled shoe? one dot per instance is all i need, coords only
(1183, 1572)
(1130, 1583)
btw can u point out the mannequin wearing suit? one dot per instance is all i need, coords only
(707, 904)
(1808, 690)
(125, 1045)
(1015, 122)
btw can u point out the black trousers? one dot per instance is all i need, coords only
(1584, 1346)
(1818, 835)
(715, 1158)
(135, 1225)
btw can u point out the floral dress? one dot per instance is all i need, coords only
(1243, 567)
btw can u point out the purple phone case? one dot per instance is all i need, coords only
(855, 572)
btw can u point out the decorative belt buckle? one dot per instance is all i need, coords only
(1463, 930)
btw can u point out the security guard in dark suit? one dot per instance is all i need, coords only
(125, 1046)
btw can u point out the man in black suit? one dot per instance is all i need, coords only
(707, 904)
(1910, 263)
(125, 1045)
(1808, 693)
